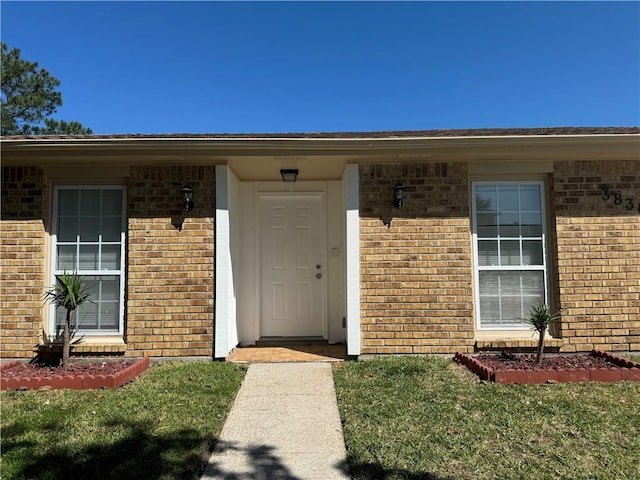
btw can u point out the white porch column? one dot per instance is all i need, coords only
(226, 330)
(352, 204)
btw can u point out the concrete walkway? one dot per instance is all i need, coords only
(283, 425)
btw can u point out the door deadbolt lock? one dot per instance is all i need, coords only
(318, 266)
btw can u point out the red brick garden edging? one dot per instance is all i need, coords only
(624, 369)
(73, 382)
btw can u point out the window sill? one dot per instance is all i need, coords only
(519, 334)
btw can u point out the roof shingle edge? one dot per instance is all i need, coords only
(479, 132)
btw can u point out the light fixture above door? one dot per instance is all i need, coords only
(289, 175)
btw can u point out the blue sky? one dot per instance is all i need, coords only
(246, 67)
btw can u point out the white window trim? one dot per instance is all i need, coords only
(476, 268)
(54, 256)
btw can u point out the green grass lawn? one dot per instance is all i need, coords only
(427, 418)
(159, 427)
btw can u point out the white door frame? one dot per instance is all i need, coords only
(258, 259)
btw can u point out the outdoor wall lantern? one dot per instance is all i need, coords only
(289, 175)
(187, 196)
(398, 194)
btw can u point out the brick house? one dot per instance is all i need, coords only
(491, 222)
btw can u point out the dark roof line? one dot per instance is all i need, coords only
(478, 132)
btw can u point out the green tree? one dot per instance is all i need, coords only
(69, 292)
(29, 98)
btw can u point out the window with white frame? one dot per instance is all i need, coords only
(89, 238)
(509, 245)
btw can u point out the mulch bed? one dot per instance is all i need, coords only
(29, 370)
(78, 376)
(521, 368)
(505, 361)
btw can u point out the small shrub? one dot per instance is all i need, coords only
(69, 292)
(541, 317)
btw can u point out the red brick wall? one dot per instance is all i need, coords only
(170, 272)
(22, 260)
(416, 269)
(598, 257)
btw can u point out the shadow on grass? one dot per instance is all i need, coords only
(142, 454)
(146, 453)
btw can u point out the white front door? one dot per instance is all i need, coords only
(292, 265)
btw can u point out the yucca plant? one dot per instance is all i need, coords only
(541, 317)
(69, 292)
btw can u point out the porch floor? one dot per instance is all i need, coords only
(293, 352)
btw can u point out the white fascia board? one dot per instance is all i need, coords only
(373, 143)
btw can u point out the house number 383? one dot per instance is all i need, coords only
(618, 199)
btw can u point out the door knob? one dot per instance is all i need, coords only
(318, 275)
